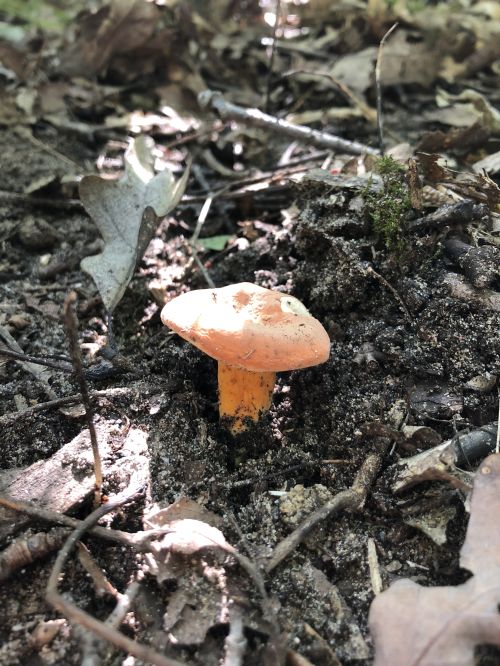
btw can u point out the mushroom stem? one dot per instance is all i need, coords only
(243, 393)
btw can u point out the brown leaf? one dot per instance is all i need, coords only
(428, 626)
(181, 509)
(119, 26)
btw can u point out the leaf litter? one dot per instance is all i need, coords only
(138, 67)
(415, 625)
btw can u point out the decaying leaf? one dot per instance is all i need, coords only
(126, 212)
(118, 26)
(428, 626)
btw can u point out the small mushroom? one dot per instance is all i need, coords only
(253, 333)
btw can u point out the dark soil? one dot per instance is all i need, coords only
(389, 356)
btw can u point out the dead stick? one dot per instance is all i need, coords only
(27, 199)
(80, 617)
(137, 540)
(59, 402)
(71, 324)
(227, 111)
(277, 16)
(38, 360)
(353, 498)
(378, 86)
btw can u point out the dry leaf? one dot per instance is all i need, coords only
(127, 212)
(429, 626)
(118, 27)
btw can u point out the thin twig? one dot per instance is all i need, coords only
(93, 646)
(38, 360)
(371, 271)
(235, 642)
(71, 324)
(277, 15)
(59, 402)
(373, 566)
(80, 617)
(216, 102)
(369, 113)
(137, 540)
(497, 445)
(378, 86)
(353, 498)
(40, 202)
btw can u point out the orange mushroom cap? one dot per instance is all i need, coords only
(249, 327)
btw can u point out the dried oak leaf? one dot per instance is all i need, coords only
(414, 625)
(126, 213)
(120, 26)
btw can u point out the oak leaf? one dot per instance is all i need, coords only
(414, 625)
(127, 213)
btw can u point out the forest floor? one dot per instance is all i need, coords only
(414, 342)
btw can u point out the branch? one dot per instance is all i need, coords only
(214, 101)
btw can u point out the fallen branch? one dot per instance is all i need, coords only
(214, 101)
(353, 499)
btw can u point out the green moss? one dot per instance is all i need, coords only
(389, 207)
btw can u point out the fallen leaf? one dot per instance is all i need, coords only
(126, 213)
(188, 536)
(414, 625)
(117, 27)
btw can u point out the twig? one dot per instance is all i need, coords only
(80, 617)
(369, 270)
(37, 360)
(40, 202)
(459, 213)
(93, 646)
(117, 615)
(137, 540)
(41, 374)
(71, 325)
(378, 86)
(497, 445)
(368, 113)
(216, 102)
(353, 498)
(277, 15)
(203, 270)
(235, 642)
(26, 133)
(101, 583)
(59, 402)
(373, 566)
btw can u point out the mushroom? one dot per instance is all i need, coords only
(253, 333)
